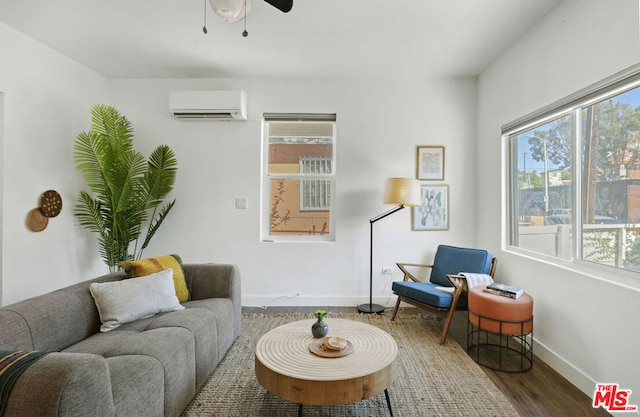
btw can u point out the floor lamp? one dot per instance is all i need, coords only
(400, 192)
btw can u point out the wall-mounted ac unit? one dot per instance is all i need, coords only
(208, 105)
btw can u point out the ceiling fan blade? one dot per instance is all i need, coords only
(282, 5)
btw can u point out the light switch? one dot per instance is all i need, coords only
(241, 203)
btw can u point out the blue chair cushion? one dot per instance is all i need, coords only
(426, 292)
(451, 260)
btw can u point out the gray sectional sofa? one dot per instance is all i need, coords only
(149, 367)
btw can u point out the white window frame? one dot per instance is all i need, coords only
(329, 178)
(572, 105)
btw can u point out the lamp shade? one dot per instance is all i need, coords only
(402, 192)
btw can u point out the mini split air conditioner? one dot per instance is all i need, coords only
(208, 105)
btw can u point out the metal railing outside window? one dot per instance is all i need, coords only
(315, 194)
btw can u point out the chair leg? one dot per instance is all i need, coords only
(395, 310)
(452, 309)
(447, 323)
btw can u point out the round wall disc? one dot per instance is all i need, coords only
(50, 203)
(36, 221)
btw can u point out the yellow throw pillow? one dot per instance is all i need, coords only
(143, 267)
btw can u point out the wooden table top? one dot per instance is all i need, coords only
(286, 367)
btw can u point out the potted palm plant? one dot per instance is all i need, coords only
(127, 192)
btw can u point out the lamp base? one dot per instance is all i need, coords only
(370, 308)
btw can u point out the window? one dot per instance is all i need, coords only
(574, 190)
(543, 190)
(298, 177)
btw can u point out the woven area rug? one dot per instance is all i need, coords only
(431, 379)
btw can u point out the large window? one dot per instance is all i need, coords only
(298, 177)
(575, 176)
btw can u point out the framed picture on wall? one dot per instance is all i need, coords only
(433, 214)
(430, 163)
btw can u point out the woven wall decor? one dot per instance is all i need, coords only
(50, 206)
(50, 203)
(36, 221)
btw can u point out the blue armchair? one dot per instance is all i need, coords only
(448, 263)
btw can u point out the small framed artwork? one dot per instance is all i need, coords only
(430, 163)
(433, 214)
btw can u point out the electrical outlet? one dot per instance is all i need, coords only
(387, 270)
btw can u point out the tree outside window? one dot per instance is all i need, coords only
(604, 181)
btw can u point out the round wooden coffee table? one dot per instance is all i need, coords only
(286, 367)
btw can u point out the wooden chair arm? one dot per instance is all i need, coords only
(458, 281)
(408, 274)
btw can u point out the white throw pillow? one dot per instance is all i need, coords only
(129, 300)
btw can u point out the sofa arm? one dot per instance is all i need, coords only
(215, 281)
(63, 384)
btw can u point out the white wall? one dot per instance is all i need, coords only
(584, 326)
(47, 98)
(379, 125)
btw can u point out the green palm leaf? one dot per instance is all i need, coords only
(155, 224)
(125, 187)
(160, 177)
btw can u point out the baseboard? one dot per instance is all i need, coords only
(301, 300)
(574, 375)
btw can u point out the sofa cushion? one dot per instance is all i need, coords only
(61, 384)
(202, 325)
(81, 292)
(48, 322)
(128, 300)
(172, 347)
(139, 393)
(224, 314)
(144, 267)
(14, 331)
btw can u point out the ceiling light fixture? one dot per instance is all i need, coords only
(204, 27)
(235, 10)
(231, 10)
(244, 32)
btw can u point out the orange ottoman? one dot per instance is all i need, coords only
(500, 330)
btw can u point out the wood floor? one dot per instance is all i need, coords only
(540, 392)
